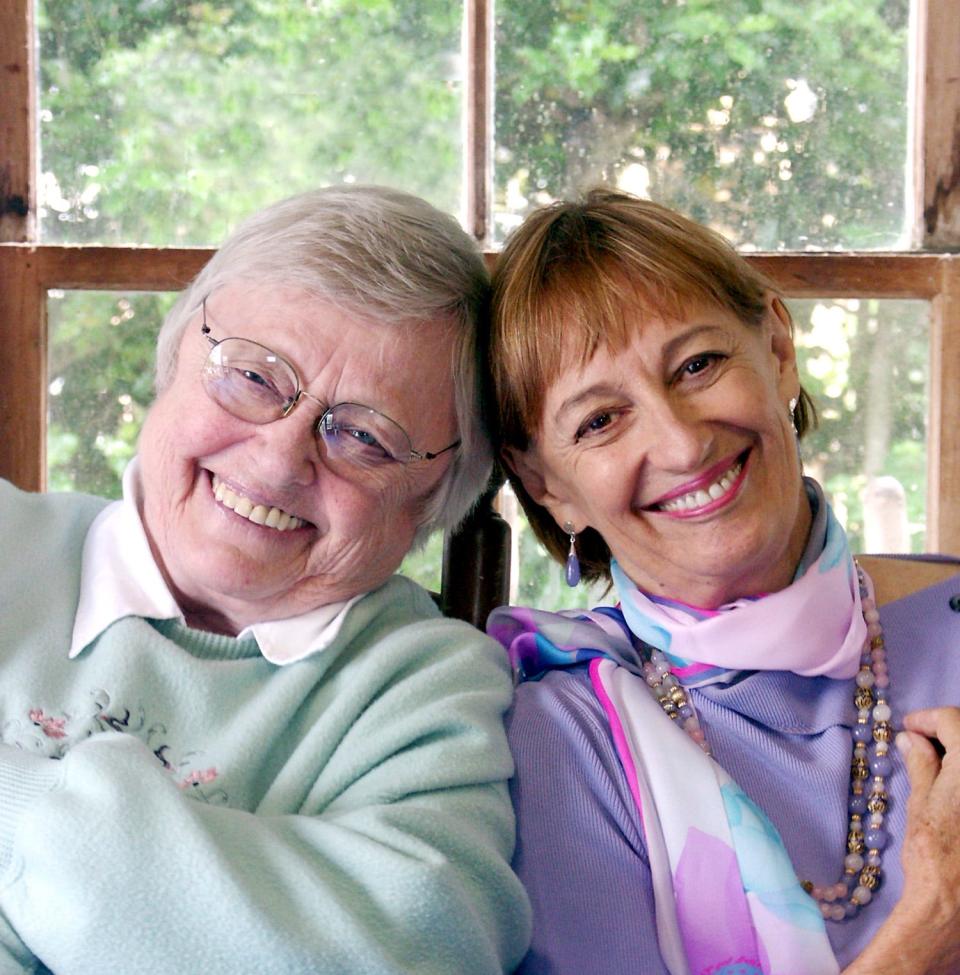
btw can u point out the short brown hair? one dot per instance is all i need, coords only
(568, 282)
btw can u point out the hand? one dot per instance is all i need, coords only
(922, 933)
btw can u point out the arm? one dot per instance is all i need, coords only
(580, 851)
(404, 870)
(922, 934)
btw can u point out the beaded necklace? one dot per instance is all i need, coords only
(872, 734)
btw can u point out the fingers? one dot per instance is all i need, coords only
(922, 762)
(940, 723)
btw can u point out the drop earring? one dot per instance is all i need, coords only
(792, 407)
(572, 572)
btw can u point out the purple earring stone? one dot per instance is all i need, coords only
(572, 570)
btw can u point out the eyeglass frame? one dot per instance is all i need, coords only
(413, 456)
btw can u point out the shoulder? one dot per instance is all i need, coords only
(921, 629)
(38, 524)
(405, 611)
(901, 577)
(30, 511)
(397, 634)
(560, 702)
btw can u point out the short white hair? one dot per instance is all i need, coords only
(378, 253)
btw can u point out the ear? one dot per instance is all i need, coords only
(782, 348)
(526, 465)
(536, 480)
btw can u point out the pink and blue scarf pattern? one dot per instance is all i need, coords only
(713, 852)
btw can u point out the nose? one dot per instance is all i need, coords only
(677, 438)
(289, 453)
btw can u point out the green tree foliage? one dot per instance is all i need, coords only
(165, 122)
(782, 124)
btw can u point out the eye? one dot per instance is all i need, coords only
(255, 386)
(363, 437)
(595, 424)
(700, 363)
(255, 378)
(357, 442)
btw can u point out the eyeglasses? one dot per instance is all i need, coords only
(254, 383)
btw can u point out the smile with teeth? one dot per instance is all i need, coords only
(259, 514)
(703, 496)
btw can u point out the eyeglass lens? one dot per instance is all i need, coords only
(254, 384)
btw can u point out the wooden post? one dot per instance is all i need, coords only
(935, 112)
(23, 331)
(936, 124)
(18, 198)
(943, 439)
(478, 117)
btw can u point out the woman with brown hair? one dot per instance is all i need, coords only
(706, 776)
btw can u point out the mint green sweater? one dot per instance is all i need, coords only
(171, 802)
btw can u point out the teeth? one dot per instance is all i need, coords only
(699, 498)
(259, 514)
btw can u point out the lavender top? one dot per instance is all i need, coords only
(785, 739)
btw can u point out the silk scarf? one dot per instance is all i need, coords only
(713, 852)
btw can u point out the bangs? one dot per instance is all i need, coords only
(564, 317)
(575, 278)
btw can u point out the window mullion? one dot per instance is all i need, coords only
(478, 117)
(935, 108)
(17, 122)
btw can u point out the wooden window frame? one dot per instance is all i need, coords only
(29, 269)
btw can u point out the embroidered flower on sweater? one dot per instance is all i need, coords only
(51, 727)
(59, 732)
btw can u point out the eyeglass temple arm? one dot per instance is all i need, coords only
(428, 456)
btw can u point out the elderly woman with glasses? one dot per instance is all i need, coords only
(233, 740)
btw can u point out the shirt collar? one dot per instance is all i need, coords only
(119, 578)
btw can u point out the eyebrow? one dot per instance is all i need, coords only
(604, 388)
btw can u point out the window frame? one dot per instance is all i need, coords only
(29, 268)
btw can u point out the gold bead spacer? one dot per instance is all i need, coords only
(882, 731)
(870, 878)
(855, 842)
(877, 803)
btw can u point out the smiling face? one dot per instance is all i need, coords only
(680, 452)
(209, 478)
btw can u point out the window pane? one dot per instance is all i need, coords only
(164, 122)
(101, 358)
(781, 124)
(866, 365)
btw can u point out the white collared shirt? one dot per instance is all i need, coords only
(119, 578)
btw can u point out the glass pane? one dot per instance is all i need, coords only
(101, 358)
(866, 365)
(101, 362)
(781, 124)
(163, 122)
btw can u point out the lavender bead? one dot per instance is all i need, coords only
(862, 732)
(881, 765)
(875, 839)
(858, 804)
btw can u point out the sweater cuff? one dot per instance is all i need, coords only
(23, 777)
